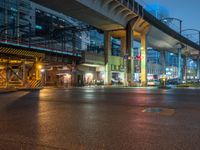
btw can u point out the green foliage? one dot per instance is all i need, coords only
(189, 85)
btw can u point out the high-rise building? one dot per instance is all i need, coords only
(55, 30)
(13, 15)
(23, 20)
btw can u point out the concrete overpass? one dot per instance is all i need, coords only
(128, 20)
(20, 64)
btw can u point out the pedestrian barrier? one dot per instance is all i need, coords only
(35, 84)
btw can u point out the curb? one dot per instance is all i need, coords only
(6, 92)
(20, 89)
(29, 89)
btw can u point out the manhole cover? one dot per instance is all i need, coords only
(152, 110)
(161, 111)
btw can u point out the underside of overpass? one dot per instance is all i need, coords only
(122, 18)
(112, 15)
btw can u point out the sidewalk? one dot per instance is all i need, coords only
(10, 90)
(7, 90)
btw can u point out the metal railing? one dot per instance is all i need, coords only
(25, 43)
(139, 9)
(134, 6)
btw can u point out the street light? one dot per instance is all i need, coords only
(198, 31)
(164, 20)
(195, 31)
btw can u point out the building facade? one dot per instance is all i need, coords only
(14, 20)
(27, 22)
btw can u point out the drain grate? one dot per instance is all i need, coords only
(161, 111)
(152, 110)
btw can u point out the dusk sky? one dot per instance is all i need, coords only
(186, 10)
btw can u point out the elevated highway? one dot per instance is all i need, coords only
(112, 15)
(128, 20)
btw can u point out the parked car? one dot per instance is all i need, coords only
(175, 81)
(99, 82)
(153, 83)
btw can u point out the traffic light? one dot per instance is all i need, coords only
(139, 57)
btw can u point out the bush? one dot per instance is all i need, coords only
(189, 85)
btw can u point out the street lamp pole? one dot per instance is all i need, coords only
(199, 37)
(165, 20)
(179, 20)
(198, 63)
(195, 31)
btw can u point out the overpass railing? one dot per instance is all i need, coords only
(25, 43)
(133, 5)
(140, 10)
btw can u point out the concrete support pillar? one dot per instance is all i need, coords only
(7, 74)
(123, 53)
(107, 49)
(74, 74)
(24, 72)
(163, 61)
(130, 52)
(186, 65)
(123, 46)
(37, 69)
(183, 69)
(179, 64)
(143, 60)
(198, 67)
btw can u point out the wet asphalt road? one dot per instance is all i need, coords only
(100, 119)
